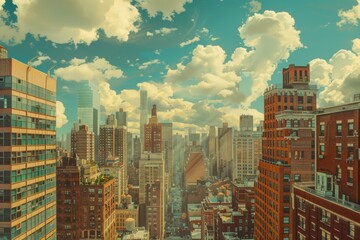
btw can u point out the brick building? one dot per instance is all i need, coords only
(287, 150)
(86, 209)
(329, 209)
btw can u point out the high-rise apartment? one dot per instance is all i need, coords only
(330, 208)
(225, 151)
(247, 149)
(85, 202)
(28, 151)
(287, 150)
(143, 114)
(83, 143)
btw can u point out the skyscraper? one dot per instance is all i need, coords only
(28, 152)
(213, 151)
(153, 134)
(225, 151)
(287, 151)
(83, 143)
(121, 118)
(246, 123)
(143, 114)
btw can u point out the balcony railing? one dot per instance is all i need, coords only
(306, 187)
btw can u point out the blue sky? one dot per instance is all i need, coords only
(202, 61)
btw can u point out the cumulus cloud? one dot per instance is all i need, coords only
(162, 32)
(269, 37)
(145, 65)
(9, 32)
(99, 69)
(61, 118)
(44, 18)
(190, 41)
(342, 75)
(165, 7)
(350, 16)
(40, 60)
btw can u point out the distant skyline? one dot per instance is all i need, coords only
(201, 61)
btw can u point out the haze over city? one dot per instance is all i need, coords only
(181, 119)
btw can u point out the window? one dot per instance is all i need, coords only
(301, 222)
(350, 151)
(322, 129)
(286, 220)
(297, 177)
(338, 129)
(300, 99)
(338, 172)
(322, 149)
(309, 99)
(351, 129)
(351, 229)
(350, 175)
(338, 151)
(325, 235)
(286, 230)
(325, 216)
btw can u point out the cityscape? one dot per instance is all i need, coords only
(181, 119)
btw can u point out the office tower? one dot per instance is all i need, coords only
(330, 208)
(225, 151)
(85, 202)
(287, 151)
(129, 148)
(143, 114)
(28, 151)
(152, 169)
(154, 205)
(247, 149)
(153, 134)
(121, 118)
(179, 159)
(137, 151)
(111, 120)
(166, 129)
(246, 123)
(83, 143)
(213, 151)
(88, 110)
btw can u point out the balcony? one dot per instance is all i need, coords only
(309, 187)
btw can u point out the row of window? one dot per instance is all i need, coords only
(17, 121)
(7, 158)
(7, 177)
(10, 82)
(349, 131)
(22, 139)
(7, 101)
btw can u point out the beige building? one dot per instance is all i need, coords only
(82, 143)
(225, 151)
(28, 151)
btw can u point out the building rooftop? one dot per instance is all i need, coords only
(139, 233)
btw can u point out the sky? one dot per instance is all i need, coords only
(203, 62)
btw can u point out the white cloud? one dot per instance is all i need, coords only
(190, 41)
(40, 60)
(356, 46)
(162, 32)
(99, 69)
(204, 30)
(350, 16)
(271, 37)
(61, 118)
(9, 34)
(44, 18)
(165, 7)
(342, 75)
(145, 65)
(255, 6)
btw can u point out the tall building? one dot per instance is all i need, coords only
(3, 52)
(137, 151)
(246, 123)
(129, 148)
(287, 151)
(121, 117)
(28, 151)
(152, 170)
(247, 149)
(143, 114)
(85, 204)
(83, 143)
(213, 151)
(166, 129)
(330, 208)
(179, 159)
(225, 151)
(153, 134)
(88, 109)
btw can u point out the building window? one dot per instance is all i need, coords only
(350, 152)
(338, 151)
(309, 99)
(322, 129)
(351, 230)
(325, 216)
(322, 150)
(338, 172)
(325, 235)
(286, 230)
(286, 220)
(338, 129)
(301, 222)
(300, 99)
(350, 175)
(297, 177)
(350, 129)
